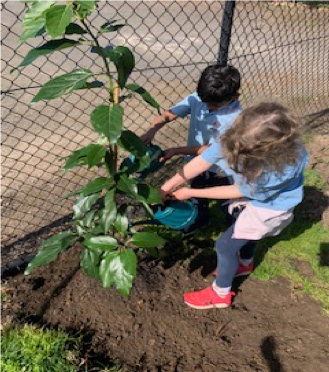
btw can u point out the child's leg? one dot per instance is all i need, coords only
(227, 249)
(219, 295)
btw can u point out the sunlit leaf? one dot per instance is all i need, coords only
(89, 261)
(127, 185)
(63, 84)
(147, 239)
(103, 242)
(34, 19)
(149, 193)
(83, 205)
(95, 155)
(80, 157)
(58, 18)
(108, 120)
(109, 213)
(96, 185)
(119, 268)
(51, 248)
(86, 4)
(121, 224)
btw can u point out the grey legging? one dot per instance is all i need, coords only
(227, 249)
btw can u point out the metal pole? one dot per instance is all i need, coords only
(225, 34)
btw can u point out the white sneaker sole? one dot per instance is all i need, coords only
(212, 306)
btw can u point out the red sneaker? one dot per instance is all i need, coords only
(207, 299)
(242, 270)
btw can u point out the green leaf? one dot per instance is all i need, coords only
(51, 248)
(83, 205)
(73, 28)
(110, 27)
(89, 261)
(58, 18)
(95, 155)
(147, 240)
(88, 219)
(119, 268)
(63, 84)
(124, 62)
(49, 47)
(34, 19)
(102, 242)
(96, 185)
(110, 211)
(144, 94)
(80, 157)
(127, 185)
(86, 5)
(107, 120)
(121, 224)
(132, 143)
(150, 194)
(93, 84)
(110, 162)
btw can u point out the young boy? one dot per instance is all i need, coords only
(212, 109)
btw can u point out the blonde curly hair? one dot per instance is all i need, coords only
(263, 137)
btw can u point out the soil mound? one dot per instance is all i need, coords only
(268, 328)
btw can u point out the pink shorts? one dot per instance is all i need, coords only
(255, 223)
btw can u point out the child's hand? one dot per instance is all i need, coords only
(166, 195)
(183, 193)
(168, 154)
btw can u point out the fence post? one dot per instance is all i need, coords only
(225, 33)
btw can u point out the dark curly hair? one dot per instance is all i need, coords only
(263, 137)
(218, 84)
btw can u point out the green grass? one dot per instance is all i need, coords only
(313, 179)
(30, 349)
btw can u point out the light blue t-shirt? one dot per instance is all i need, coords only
(271, 190)
(205, 126)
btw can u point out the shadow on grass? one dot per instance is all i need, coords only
(324, 254)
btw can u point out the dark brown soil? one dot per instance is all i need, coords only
(270, 327)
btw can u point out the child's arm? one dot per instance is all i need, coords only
(187, 150)
(161, 120)
(189, 171)
(219, 192)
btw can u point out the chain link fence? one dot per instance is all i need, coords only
(280, 48)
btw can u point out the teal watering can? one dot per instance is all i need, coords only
(175, 214)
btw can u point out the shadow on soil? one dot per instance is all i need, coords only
(270, 354)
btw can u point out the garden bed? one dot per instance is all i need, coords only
(270, 327)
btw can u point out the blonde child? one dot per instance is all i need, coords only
(263, 154)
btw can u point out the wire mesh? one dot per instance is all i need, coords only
(281, 49)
